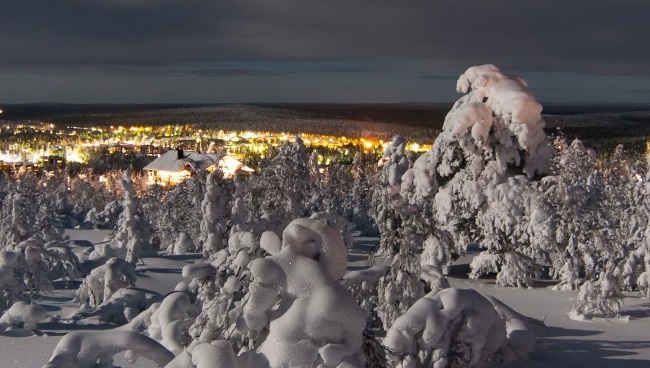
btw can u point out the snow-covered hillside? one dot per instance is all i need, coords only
(498, 247)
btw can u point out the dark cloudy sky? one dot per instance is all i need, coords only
(84, 51)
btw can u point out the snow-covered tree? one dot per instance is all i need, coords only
(635, 223)
(601, 297)
(239, 214)
(573, 198)
(387, 204)
(516, 231)
(213, 208)
(172, 210)
(12, 285)
(19, 219)
(302, 277)
(495, 131)
(358, 199)
(283, 185)
(183, 244)
(133, 233)
(595, 203)
(317, 188)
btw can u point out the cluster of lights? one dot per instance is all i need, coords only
(238, 143)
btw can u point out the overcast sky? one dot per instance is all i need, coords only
(204, 51)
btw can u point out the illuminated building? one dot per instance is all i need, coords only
(174, 166)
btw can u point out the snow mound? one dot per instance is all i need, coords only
(21, 318)
(96, 349)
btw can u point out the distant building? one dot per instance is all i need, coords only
(51, 163)
(174, 166)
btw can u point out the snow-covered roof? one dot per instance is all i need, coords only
(170, 161)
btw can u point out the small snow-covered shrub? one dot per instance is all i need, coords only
(11, 283)
(600, 298)
(81, 349)
(122, 307)
(183, 244)
(21, 318)
(170, 322)
(105, 280)
(458, 328)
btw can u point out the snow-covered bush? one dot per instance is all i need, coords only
(21, 318)
(222, 284)
(338, 222)
(122, 307)
(397, 291)
(107, 218)
(458, 328)
(86, 194)
(32, 265)
(82, 349)
(105, 280)
(183, 244)
(171, 320)
(600, 298)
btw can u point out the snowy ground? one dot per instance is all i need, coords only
(623, 342)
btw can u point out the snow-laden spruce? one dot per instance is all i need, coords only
(495, 131)
(214, 209)
(600, 214)
(132, 238)
(283, 186)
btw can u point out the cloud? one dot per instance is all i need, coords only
(222, 73)
(438, 77)
(417, 45)
(589, 36)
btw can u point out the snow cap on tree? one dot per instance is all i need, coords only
(510, 101)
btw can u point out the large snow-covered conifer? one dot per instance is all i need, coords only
(495, 131)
